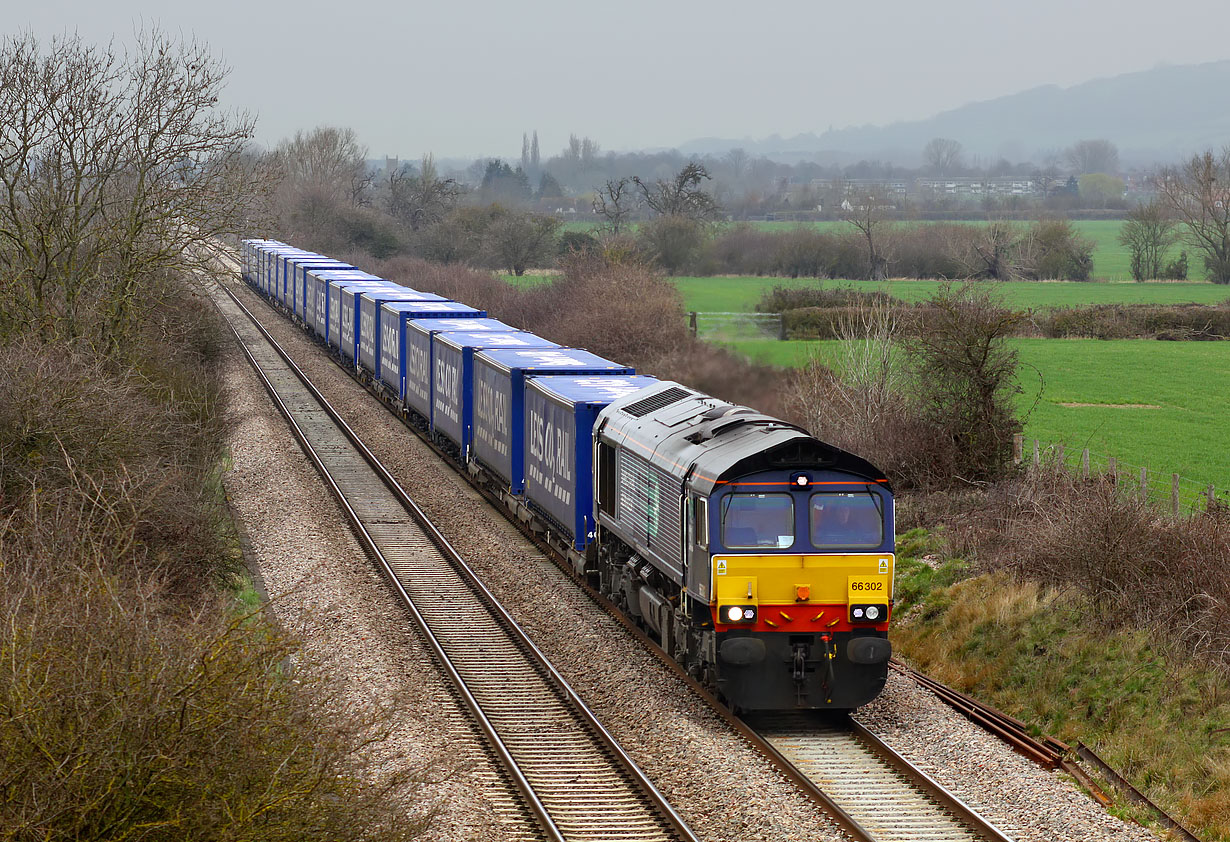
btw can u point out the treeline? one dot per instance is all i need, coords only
(138, 697)
(813, 313)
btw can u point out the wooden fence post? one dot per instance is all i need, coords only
(1085, 463)
(1113, 469)
(1174, 494)
(1144, 483)
(1018, 448)
(1037, 454)
(1059, 454)
(692, 322)
(781, 327)
(1212, 496)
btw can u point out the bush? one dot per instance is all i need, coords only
(1098, 537)
(146, 721)
(142, 436)
(1126, 321)
(624, 311)
(576, 241)
(1057, 251)
(673, 241)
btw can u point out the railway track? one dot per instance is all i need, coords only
(872, 792)
(572, 776)
(876, 794)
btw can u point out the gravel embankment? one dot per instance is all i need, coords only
(709, 774)
(327, 593)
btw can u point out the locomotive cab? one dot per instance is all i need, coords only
(761, 557)
(801, 567)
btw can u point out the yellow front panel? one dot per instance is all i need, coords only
(776, 578)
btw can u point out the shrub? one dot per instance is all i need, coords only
(576, 241)
(1143, 570)
(624, 311)
(123, 716)
(141, 436)
(781, 299)
(673, 241)
(1056, 251)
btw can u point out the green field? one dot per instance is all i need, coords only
(740, 294)
(1162, 405)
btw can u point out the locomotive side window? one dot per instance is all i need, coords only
(757, 520)
(700, 521)
(853, 520)
(606, 478)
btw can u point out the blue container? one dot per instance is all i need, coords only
(317, 282)
(249, 259)
(499, 406)
(297, 267)
(452, 381)
(277, 270)
(312, 287)
(283, 272)
(348, 317)
(416, 354)
(336, 296)
(560, 413)
(369, 320)
(395, 359)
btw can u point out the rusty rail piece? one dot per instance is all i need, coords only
(1131, 793)
(1048, 752)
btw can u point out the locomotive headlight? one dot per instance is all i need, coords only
(800, 480)
(737, 614)
(873, 612)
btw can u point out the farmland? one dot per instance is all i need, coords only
(1161, 405)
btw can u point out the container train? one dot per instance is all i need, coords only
(760, 558)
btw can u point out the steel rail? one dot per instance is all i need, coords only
(842, 817)
(627, 766)
(945, 800)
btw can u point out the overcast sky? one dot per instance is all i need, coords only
(467, 78)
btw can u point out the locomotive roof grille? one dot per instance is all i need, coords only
(655, 402)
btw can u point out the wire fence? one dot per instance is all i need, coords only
(1168, 492)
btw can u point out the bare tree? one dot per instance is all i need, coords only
(1148, 232)
(422, 198)
(1090, 156)
(1198, 195)
(868, 213)
(113, 167)
(615, 203)
(682, 195)
(328, 161)
(942, 155)
(517, 240)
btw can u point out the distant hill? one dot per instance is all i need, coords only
(1152, 115)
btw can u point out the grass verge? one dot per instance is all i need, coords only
(1048, 658)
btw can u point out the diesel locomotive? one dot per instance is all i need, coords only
(760, 558)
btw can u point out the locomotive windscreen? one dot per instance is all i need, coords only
(846, 520)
